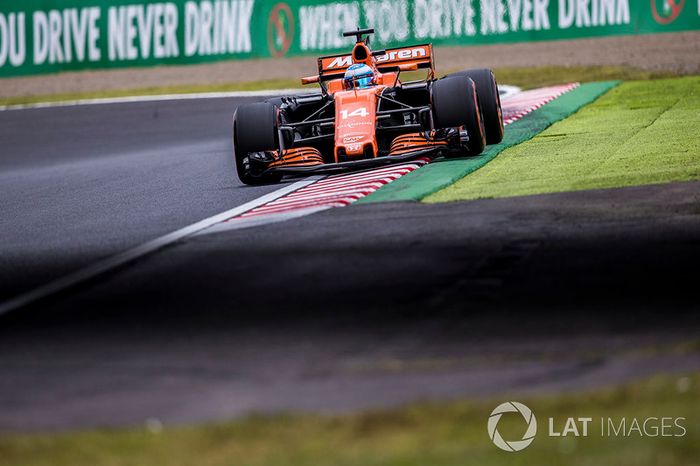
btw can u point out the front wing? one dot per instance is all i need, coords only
(307, 160)
(351, 165)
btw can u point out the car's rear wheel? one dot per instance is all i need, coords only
(489, 101)
(456, 105)
(254, 131)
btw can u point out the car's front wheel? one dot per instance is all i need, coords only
(255, 132)
(489, 101)
(455, 104)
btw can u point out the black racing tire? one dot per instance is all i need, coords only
(254, 130)
(489, 101)
(455, 104)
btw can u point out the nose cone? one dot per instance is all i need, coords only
(355, 123)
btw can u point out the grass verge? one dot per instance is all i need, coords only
(642, 132)
(425, 434)
(526, 78)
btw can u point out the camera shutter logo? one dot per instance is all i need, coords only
(528, 416)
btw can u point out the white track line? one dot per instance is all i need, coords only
(150, 247)
(262, 219)
(157, 98)
(506, 92)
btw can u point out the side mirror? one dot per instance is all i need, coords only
(309, 80)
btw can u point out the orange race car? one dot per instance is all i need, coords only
(366, 116)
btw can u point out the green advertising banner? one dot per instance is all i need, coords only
(44, 36)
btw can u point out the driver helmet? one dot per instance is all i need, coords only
(359, 75)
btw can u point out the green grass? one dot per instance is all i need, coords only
(526, 78)
(642, 132)
(424, 434)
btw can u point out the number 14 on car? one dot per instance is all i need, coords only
(359, 112)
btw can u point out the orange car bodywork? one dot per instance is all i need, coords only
(355, 122)
(298, 157)
(355, 109)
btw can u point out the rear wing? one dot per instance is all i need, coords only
(334, 66)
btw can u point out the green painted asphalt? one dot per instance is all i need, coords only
(442, 173)
(642, 132)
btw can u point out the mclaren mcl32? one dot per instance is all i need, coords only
(365, 116)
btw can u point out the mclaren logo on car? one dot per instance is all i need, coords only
(402, 54)
(341, 62)
(393, 55)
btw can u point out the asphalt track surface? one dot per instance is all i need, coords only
(364, 306)
(82, 183)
